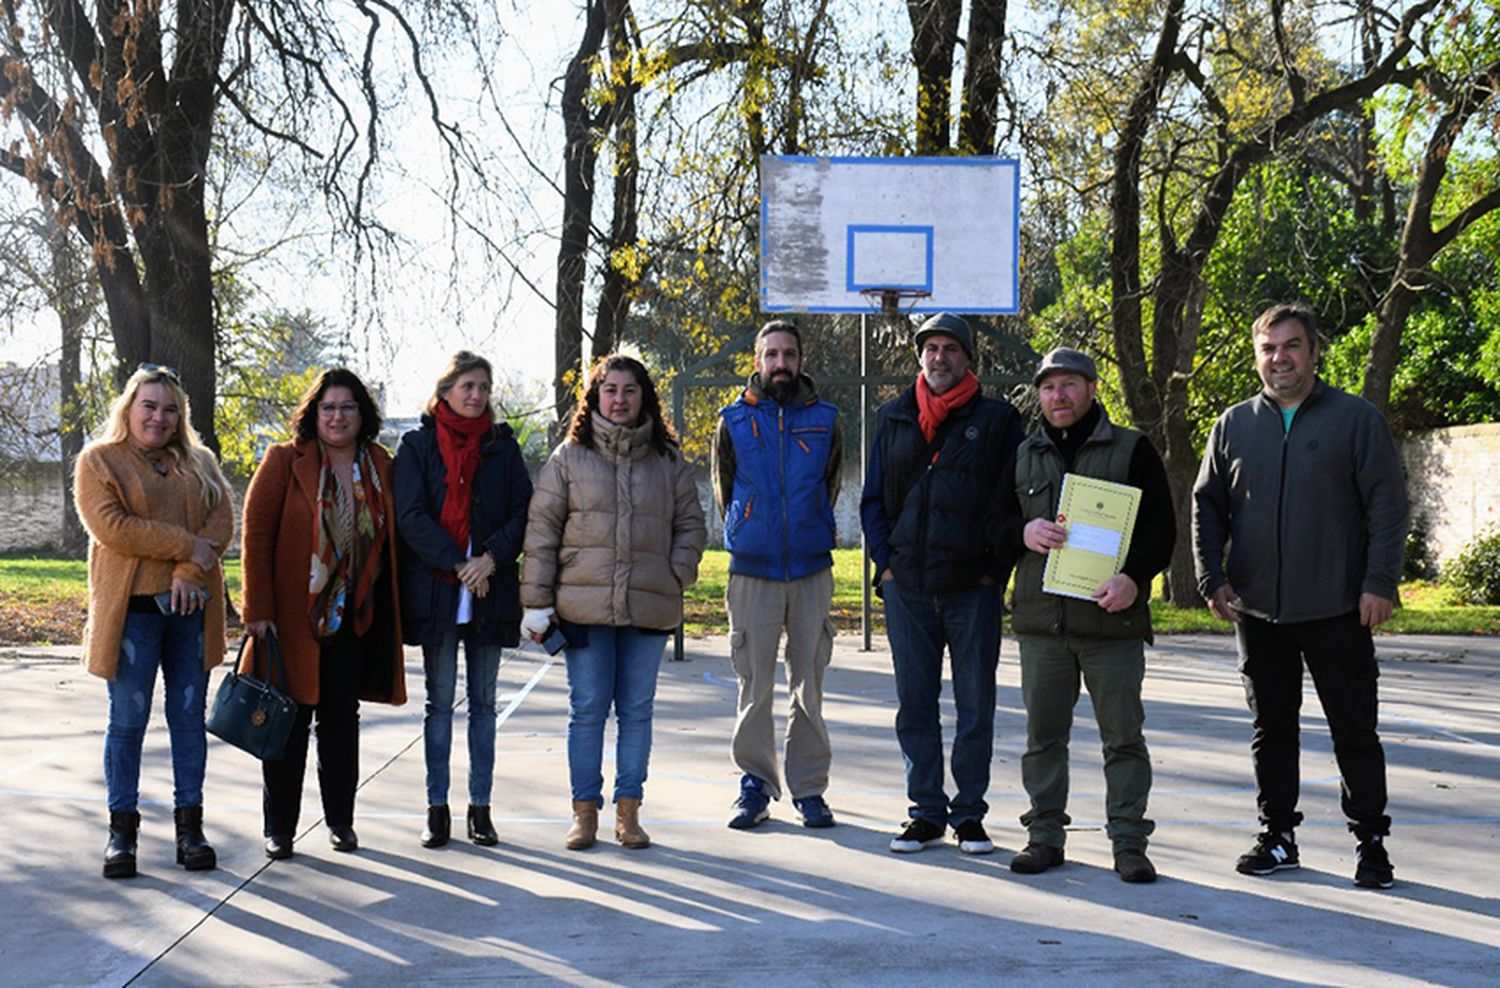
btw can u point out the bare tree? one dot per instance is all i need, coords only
(112, 116)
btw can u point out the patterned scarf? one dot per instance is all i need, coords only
(335, 572)
(933, 409)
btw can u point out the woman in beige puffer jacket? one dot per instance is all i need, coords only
(613, 537)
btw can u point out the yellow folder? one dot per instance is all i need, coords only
(1099, 516)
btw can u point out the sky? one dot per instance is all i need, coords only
(430, 303)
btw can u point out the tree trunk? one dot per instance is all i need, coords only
(579, 158)
(979, 113)
(934, 32)
(1420, 243)
(620, 270)
(74, 309)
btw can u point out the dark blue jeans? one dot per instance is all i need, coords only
(967, 622)
(173, 643)
(440, 669)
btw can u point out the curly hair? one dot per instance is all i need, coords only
(305, 416)
(581, 429)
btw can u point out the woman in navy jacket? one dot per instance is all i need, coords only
(461, 493)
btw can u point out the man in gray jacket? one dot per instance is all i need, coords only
(1303, 486)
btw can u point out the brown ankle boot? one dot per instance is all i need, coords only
(585, 825)
(628, 824)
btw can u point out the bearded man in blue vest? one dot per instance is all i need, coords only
(1064, 639)
(776, 460)
(939, 447)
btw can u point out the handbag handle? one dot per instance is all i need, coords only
(275, 666)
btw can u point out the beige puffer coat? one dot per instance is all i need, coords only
(614, 533)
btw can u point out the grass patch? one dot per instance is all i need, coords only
(43, 601)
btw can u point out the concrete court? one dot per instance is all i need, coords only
(780, 905)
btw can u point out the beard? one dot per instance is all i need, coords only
(782, 387)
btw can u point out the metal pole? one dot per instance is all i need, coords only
(864, 455)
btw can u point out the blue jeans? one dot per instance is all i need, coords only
(440, 669)
(175, 644)
(918, 626)
(617, 667)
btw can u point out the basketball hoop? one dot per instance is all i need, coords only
(890, 302)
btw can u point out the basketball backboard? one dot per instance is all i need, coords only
(831, 228)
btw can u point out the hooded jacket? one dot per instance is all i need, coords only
(775, 475)
(614, 532)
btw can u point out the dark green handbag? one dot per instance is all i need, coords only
(251, 713)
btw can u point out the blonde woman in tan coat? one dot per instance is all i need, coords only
(613, 537)
(158, 514)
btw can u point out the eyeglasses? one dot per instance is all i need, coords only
(329, 409)
(161, 369)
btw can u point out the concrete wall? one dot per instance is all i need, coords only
(30, 505)
(1453, 477)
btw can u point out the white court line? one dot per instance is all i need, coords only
(525, 691)
(1429, 729)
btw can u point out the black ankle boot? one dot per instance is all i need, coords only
(439, 827)
(193, 851)
(481, 831)
(119, 853)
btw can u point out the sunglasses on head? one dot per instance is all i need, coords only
(161, 369)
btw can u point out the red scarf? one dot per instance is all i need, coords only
(933, 409)
(458, 442)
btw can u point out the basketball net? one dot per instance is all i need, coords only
(893, 302)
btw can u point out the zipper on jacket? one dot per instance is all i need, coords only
(786, 538)
(1286, 437)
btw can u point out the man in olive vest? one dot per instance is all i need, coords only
(776, 461)
(1100, 640)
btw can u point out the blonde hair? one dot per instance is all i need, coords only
(188, 455)
(458, 365)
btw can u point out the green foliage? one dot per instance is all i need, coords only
(1449, 371)
(266, 362)
(1418, 562)
(1475, 575)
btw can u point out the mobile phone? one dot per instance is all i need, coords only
(163, 601)
(554, 641)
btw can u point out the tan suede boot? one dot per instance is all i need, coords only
(628, 824)
(585, 825)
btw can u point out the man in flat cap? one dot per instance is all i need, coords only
(937, 453)
(1100, 640)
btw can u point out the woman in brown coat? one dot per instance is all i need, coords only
(158, 513)
(613, 536)
(319, 558)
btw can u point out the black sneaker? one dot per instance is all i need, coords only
(1036, 858)
(972, 839)
(1271, 853)
(1372, 869)
(917, 835)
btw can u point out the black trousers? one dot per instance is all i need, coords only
(338, 744)
(1340, 655)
